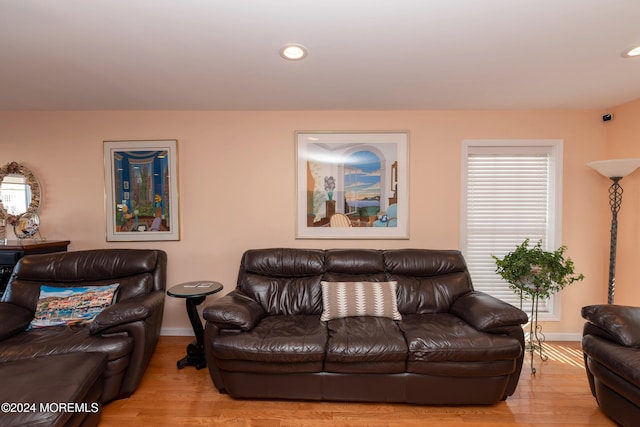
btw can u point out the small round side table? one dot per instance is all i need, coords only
(195, 293)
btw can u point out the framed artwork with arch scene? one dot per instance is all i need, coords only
(352, 185)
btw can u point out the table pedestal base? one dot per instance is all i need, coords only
(195, 357)
(195, 351)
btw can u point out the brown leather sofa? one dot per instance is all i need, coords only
(611, 346)
(126, 332)
(453, 345)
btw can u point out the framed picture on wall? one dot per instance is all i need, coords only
(352, 185)
(141, 190)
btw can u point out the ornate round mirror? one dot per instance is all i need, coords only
(19, 192)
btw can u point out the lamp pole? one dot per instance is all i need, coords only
(615, 170)
(615, 200)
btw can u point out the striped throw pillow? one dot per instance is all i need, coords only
(348, 299)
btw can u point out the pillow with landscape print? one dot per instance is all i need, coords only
(71, 306)
(349, 299)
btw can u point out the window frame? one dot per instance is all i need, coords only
(553, 147)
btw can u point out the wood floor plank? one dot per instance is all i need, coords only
(557, 395)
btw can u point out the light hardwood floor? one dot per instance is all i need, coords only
(557, 395)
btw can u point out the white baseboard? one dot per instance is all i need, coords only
(562, 336)
(550, 336)
(176, 332)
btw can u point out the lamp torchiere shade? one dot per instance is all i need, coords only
(615, 170)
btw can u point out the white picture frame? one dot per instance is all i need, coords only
(141, 190)
(361, 175)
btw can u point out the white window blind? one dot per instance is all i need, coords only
(509, 194)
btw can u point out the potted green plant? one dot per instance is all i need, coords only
(530, 270)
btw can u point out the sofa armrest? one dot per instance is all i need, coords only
(622, 323)
(487, 313)
(13, 319)
(234, 311)
(131, 310)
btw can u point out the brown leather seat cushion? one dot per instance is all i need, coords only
(365, 345)
(280, 340)
(63, 339)
(443, 337)
(48, 383)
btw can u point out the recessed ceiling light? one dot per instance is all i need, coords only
(630, 53)
(293, 52)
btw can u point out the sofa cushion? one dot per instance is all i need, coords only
(443, 337)
(284, 296)
(348, 299)
(75, 305)
(76, 379)
(354, 261)
(87, 266)
(424, 295)
(137, 270)
(275, 339)
(133, 286)
(429, 280)
(283, 281)
(62, 340)
(354, 265)
(365, 345)
(283, 262)
(424, 262)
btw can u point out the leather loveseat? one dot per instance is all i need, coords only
(611, 346)
(126, 331)
(452, 345)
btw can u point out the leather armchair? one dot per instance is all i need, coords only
(611, 346)
(127, 331)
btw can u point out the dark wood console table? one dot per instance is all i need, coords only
(13, 250)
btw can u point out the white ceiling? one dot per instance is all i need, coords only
(363, 54)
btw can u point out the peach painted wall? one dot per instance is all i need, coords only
(623, 141)
(236, 182)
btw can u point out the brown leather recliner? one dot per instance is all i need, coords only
(611, 346)
(127, 331)
(453, 345)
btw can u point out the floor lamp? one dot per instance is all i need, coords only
(614, 170)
